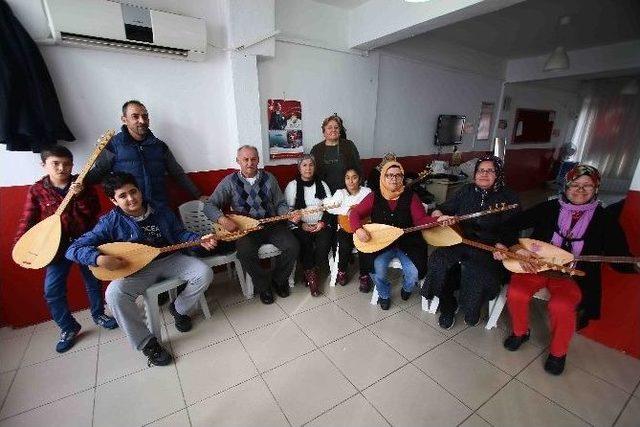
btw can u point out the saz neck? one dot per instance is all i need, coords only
(193, 243)
(291, 214)
(609, 259)
(457, 219)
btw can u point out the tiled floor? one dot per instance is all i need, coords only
(333, 360)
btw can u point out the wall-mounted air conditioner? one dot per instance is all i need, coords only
(106, 24)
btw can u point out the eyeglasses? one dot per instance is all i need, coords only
(586, 187)
(394, 175)
(487, 171)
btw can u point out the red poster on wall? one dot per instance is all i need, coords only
(285, 128)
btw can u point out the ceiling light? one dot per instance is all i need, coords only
(416, 1)
(558, 60)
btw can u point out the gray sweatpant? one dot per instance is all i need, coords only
(121, 294)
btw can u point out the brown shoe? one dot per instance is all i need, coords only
(365, 284)
(311, 277)
(342, 278)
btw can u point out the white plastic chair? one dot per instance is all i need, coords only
(152, 310)
(394, 263)
(195, 220)
(333, 264)
(497, 305)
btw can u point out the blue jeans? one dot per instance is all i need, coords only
(55, 293)
(381, 265)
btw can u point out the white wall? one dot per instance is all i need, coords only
(389, 100)
(325, 82)
(411, 97)
(566, 104)
(188, 101)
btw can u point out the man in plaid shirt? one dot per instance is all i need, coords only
(81, 214)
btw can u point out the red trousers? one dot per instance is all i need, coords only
(565, 297)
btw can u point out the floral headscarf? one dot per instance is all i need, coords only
(583, 170)
(388, 157)
(573, 220)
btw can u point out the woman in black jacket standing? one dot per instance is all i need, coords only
(335, 155)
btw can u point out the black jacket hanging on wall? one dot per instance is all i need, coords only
(30, 115)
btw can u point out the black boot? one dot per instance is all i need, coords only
(157, 355)
(266, 297)
(555, 364)
(282, 290)
(183, 322)
(385, 303)
(513, 342)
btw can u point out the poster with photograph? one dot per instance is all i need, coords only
(484, 124)
(285, 128)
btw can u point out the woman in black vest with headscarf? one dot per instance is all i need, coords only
(480, 276)
(394, 205)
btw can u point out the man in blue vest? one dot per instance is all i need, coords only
(137, 151)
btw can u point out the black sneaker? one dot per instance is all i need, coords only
(183, 322)
(405, 295)
(282, 291)
(157, 355)
(266, 297)
(447, 319)
(472, 320)
(385, 303)
(163, 298)
(105, 321)
(554, 364)
(67, 339)
(513, 342)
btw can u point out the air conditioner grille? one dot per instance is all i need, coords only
(101, 42)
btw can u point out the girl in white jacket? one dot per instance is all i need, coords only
(351, 195)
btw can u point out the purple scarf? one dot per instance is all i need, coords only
(573, 235)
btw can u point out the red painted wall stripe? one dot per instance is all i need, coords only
(21, 300)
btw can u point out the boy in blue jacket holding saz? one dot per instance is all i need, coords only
(134, 220)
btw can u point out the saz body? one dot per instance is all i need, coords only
(137, 255)
(383, 235)
(553, 254)
(39, 245)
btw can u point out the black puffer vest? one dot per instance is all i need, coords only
(411, 244)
